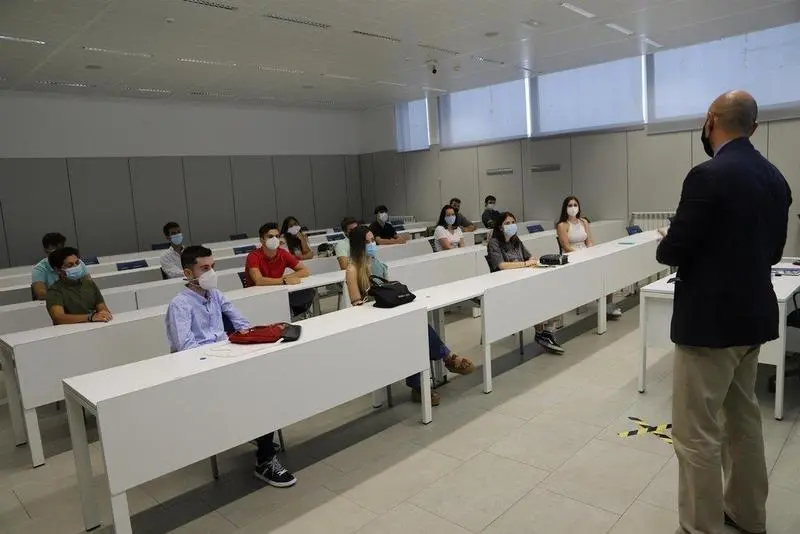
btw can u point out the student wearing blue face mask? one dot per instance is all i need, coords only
(447, 234)
(171, 258)
(363, 264)
(74, 298)
(506, 251)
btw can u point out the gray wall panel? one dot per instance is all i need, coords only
(366, 168)
(657, 165)
(545, 191)
(103, 204)
(423, 186)
(294, 189)
(390, 187)
(159, 196)
(458, 170)
(355, 206)
(506, 187)
(209, 197)
(3, 245)
(36, 200)
(329, 177)
(783, 153)
(600, 175)
(253, 192)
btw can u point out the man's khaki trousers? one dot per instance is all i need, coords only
(717, 430)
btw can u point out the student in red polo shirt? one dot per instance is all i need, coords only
(265, 266)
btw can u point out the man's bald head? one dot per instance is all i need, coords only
(736, 113)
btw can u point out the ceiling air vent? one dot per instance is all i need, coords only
(481, 59)
(377, 36)
(209, 3)
(299, 20)
(437, 49)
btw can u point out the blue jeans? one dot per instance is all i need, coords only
(437, 350)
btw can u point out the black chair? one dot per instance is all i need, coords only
(90, 260)
(338, 236)
(535, 228)
(634, 229)
(235, 237)
(243, 279)
(792, 321)
(160, 246)
(399, 227)
(244, 249)
(129, 265)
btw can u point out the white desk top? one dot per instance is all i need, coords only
(117, 381)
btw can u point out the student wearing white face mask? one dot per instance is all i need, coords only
(382, 229)
(295, 239)
(506, 251)
(490, 213)
(195, 318)
(574, 233)
(171, 258)
(447, 235)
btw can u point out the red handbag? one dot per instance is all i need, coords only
(270, 333)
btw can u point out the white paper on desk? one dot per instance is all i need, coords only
(231, 351)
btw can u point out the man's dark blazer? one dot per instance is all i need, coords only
(729, 229)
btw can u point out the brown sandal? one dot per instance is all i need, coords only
(416, 396)
(458, 365)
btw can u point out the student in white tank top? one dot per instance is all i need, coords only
(574, 234)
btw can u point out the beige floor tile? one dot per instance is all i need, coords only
(407, 518)
(783, 511)
(590, 404)
(786, 472)
(381, 486)
(467, 438)
(212, 523)
(663, 490)
(545, 442)
(605, 475)
(371, 449)
(479, 491)
(542, 512)
(319, 512)
(642, 517)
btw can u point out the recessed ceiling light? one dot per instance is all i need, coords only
(533, 23)
(381, 82)
(209, 3)
(578, 10)
(620, 29)
(211, 93)
(59, 83)
(481, 59)
(652, 43)
(323, 102)
(207, 62)
(339, 76)
(491, 34)
(377, 36)
(21, 40)
(439, 49)
(149, 90)
(283, 70)
(425, 88)
(169, 20)
(93, 67)
(116, 52)
(299, 20)
(524, 68)
(308, 87)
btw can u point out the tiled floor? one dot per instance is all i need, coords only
(539, 455)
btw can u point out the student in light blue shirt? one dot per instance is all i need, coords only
(195, 318)
(43, 275)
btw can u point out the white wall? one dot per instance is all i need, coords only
(35, 125)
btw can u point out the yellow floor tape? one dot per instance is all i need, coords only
(658, 431)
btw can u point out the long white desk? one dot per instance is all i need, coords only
(35, 361)
(655, 311)
(147, 430)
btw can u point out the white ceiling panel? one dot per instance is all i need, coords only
(145, 38)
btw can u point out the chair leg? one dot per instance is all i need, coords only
(389, 399)
(214, 467)
(280, 440)
(521, 344)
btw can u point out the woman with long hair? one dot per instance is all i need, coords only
(505, 250)
(574, 233)
(447, 235)
(295, 239)
(364, 264)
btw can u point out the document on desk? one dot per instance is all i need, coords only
(232, 350)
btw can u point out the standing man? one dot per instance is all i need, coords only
(171, 258)
(461, 221)
(195, 318)
(724, 310)
(490, 213)
(43, 275)
(382, 229)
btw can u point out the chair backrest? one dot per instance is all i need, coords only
(90, 260)
(128, 265)
(634, 229)
(535, 228)
(244, 249)
(164, 275)
(558, 242)
(234, 237)
(492, 268)
(399, 227)
(159, 246)
(338, 236)
(243, 279)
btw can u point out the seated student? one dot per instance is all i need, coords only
(574, 234)
(364, 263)
(382, 229)
(490, 214)
(343, 245)
(74, 298)
(295, 239)
(506, 251)
(171, 258)
(461, 221)
(447, 234)
(43, 275)
(195, 318)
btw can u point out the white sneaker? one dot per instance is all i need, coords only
(615, 313)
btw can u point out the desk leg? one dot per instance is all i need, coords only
(643, 330)
(378, 398)
(121, 514)
(487, 367)
(14, 400)
(425, 391)
(602, 315)
(34, 437)
(83, 463)
(780, 368)
(438, 324)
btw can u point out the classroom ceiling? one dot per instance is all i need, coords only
(340, 54)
